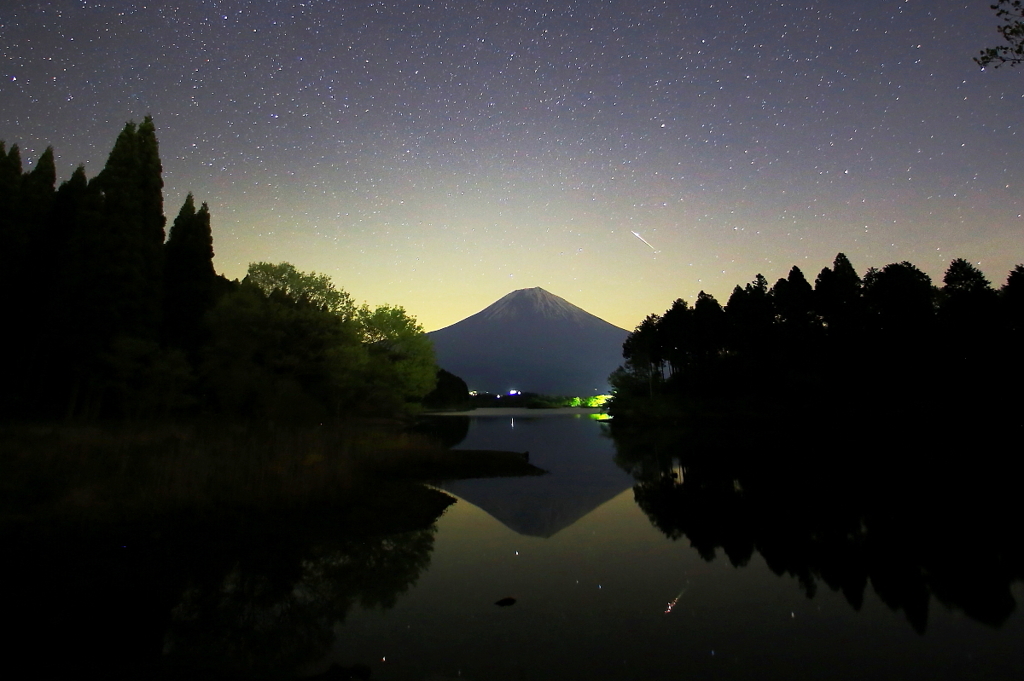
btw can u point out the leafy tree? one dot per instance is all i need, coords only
(450, 392)
(968, 311)
(963, 278)
(315, 288)
(1011, 12)
(402, 366)
(272, 357)
(900, 298)
(288, 344)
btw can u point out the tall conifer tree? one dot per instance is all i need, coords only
(189, 277)
(152, 220)
(132, 227)
(28, 306)
(10, 200)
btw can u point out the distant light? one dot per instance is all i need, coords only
(514, 392)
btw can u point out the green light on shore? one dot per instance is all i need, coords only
(593, 401)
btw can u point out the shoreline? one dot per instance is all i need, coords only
(487, 412)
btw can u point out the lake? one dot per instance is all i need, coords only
(602, 593)
(635, 557)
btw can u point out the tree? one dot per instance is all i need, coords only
(750, 313)
(642, 349)
(969, 310)
(1012, 30)
(312, 287)
(963, 278)
(11, 237)
(792, 297)
(837, 297)
(288, 344)
(451, 392)
(272, 357)
(675, 331)
(709, 329)
(189, 277)
(131, 232)
(402, 368)
(900, 298)
(1011, 297)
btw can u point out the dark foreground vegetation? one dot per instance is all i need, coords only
(215, 552)
(130, 325)
(923, 524)
(198, 477)
(858, 433)
(889, 346)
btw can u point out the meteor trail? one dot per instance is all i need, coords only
(644, 240)
(672, 603)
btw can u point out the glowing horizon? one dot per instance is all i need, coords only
(620, 154)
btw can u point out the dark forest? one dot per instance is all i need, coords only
(888, 341)
(113, 317)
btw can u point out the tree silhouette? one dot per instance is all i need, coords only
(189, 277)
(709, 330)
(1011, 12)
(1012, 298)
(644, 364)
(837, 298)
(131, 232)
(751, 317)
(968, 302)
(675, 336)
(30, 256)
(144, 328)
(900, 299)
(451, 392)
(793, 302)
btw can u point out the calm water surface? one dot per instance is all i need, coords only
(601, 593)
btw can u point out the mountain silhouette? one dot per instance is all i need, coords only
(533, 341)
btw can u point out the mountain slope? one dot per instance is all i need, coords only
(534, 341)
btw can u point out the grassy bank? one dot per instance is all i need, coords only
(119, 472)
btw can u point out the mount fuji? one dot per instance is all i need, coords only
(533, 341)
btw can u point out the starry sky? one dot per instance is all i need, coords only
(620, 154)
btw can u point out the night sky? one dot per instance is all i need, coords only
(437, 155)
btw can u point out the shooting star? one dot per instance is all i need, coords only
(644, 240)
(672, 603)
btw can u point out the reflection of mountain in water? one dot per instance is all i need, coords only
(582, 473)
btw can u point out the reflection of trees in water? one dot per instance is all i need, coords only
(841, 520)
(447, 431)
(271, 617)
